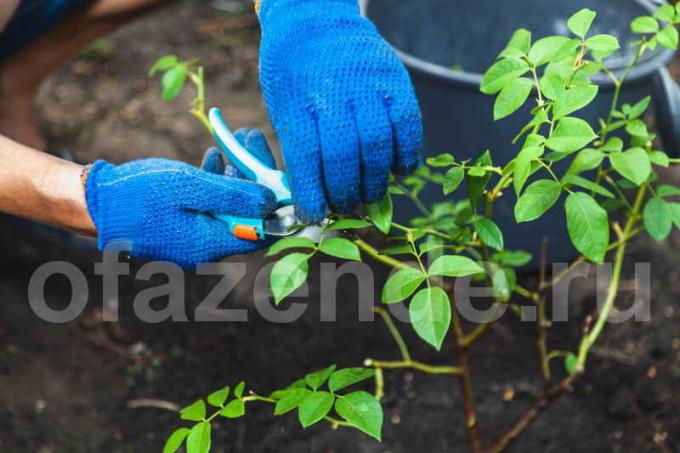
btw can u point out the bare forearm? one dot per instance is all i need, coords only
(41, 187)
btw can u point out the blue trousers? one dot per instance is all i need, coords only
(31, 19)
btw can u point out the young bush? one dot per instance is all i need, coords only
(611, 174)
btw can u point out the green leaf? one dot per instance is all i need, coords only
(315, 407)
(238, 390)
(348, 376)
(580, 23)
(634, 165)
(290, 399)
(291, 243)
(532, 149)
(665, 12)
(604, 45)
(659, 158)
(218, 397)
(588, 226)
(537, 199)
(341, 248)
(587, 159)
(614, 144)
(515, 258)
(402, 284)
(317, 378)
(518, 45)
(571, 134)
(362, 410)
(442, 160)
(477, 171)
(570, 363)
(638, 109)
(163, 64)
(234, 409)
(552, 85)
(477, 184)
(637, 128)
(172, 82)
(668, 37)
(198, 440)
(644, 24)
(586, 184)
(574, 99)
(512, 97)
(452, 179)
(430, 312)
(666, 190)
(547, 49)
(394, 190)
(658, 218)
(380, 213)
(194, 412)
(454, 266)
(349, 224)
(489, 233)
(675, 214)
(501, 73)
(288, 274)
(175, 440)
(500, 278)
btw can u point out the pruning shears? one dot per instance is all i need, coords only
(284, 222)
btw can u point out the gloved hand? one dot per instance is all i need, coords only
(160, 207)
(341, 102)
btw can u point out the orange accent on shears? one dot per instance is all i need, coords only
(246, 232)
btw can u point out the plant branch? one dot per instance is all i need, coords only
(549, 395)
(376, 255)
(414, 365)
(465, 383)
(405, 355)
(542, 322)
(591, 337)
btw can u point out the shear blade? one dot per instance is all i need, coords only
(282, 223)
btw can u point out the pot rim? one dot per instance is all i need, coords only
(645, 67)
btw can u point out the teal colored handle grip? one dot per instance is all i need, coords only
(248, 164)
(237, 224)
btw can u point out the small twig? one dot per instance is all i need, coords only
(549, 395)
(150, 402)
(465, 383)
(542, 322)
(405, 355)
(414, 365)
(375, 254)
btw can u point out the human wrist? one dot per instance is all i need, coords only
(63, 188)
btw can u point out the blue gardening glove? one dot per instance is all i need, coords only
(341, 102)
(161, 208)
(254, 140)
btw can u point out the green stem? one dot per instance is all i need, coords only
(414, 365)
(198, 105)
(394, 332)
(591, 337)
(618, 84)
(375, 254)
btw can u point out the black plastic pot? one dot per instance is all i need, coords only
(434, 36)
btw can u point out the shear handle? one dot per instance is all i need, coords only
(248, 164)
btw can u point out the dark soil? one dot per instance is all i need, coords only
(66, 388)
